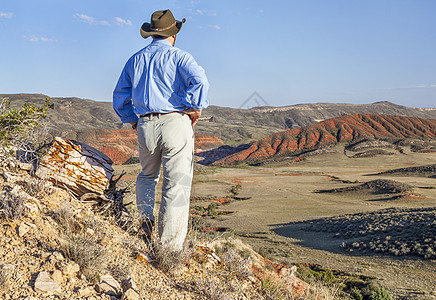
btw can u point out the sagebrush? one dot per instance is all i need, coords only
(23, 132)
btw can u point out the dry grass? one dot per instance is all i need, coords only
(36, 187)
(271, 290)
(80, 247)
(11, 207)
(4, 280)
(319, 290)
(213, 289)
(86, 252)
(167, 259)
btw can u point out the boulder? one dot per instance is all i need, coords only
(44, 283)
(68, 268)
(108, 286)
(76, 166)
(23, 229)
(130, 294)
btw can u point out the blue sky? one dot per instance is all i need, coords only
(289, 52)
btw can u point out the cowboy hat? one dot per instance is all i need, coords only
(162, 23)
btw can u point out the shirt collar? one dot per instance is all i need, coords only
(160, 42)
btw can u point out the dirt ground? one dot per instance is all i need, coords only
(285, 192)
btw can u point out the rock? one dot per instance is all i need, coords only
(108, 286)
(23, 229)
(90, 231)
(287, 271)
(84, 292)
(144, 257)
(68, 268)
(127, 284)
(130, 294)
(205, 253)
(44, 283)
(71, 280)
(8, 267)
(57, 276)
(77, 166)
(58, 255)
(25, 166)
(53, 258)
(30, 204)
(31, 209)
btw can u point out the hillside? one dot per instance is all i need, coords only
(122, 144)
(350, 129)
(226, 123)
(71, 113)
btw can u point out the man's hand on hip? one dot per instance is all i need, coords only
(134, 125)
(193, 114)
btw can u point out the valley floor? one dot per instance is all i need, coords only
(285, 193)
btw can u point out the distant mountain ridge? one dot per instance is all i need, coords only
(349, 128)
(73, 114)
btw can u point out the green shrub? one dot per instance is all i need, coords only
(22, 131)
(356, 294)
(380, 294)
(270, 289)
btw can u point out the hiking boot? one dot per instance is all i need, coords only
(147, 227)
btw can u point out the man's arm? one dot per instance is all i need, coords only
(122, 99)
(197, 87)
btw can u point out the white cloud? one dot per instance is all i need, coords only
(91, 20)
(418, 86)
(6, 15)
(200, 12)
(85, 18)
(120, 21)
(37, 39)
(217, 27)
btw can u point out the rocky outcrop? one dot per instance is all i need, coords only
(122, 144)
(204, 142)
(76, 166)
(350, 128)
(427, 170)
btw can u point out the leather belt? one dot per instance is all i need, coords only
(157, 114)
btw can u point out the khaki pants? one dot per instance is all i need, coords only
(167, 140)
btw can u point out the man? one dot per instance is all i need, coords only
(167, 89)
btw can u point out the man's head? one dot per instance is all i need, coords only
(163, 25)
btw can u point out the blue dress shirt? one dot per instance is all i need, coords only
(159, 79)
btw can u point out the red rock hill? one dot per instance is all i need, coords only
(121, 144)
(347, 128)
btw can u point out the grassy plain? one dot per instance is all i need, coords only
(284, 193)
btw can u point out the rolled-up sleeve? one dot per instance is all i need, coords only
(197, 85)
(122, 98)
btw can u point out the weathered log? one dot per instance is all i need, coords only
(77, 166)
